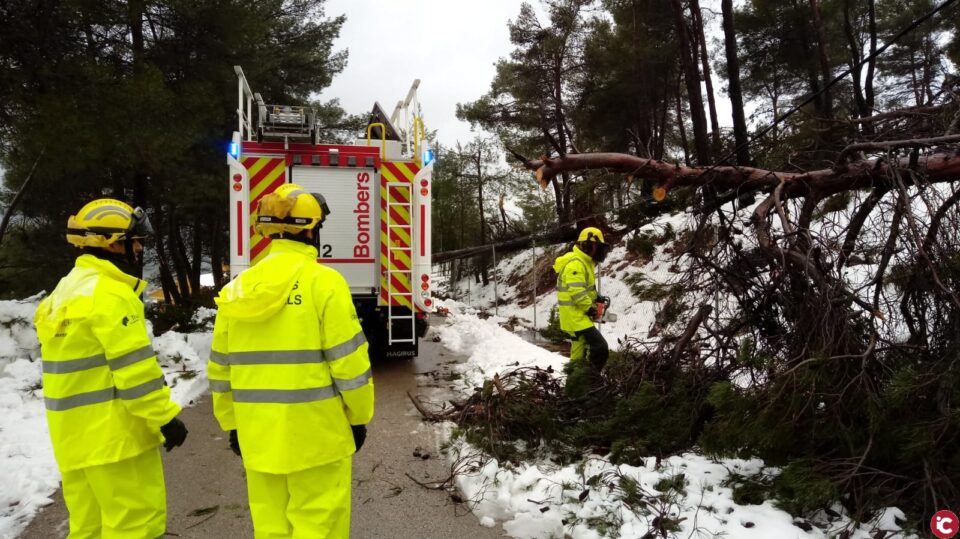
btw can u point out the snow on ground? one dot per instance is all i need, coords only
(491, 348)
(28, 471)
(540, 500)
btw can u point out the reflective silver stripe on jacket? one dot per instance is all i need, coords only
(274, 357)
(582, 293)
(345, 349)
(290, 357)
(82, 399)
(102, 395)
(145, 388)
(565, 303)
(579, 284)
(219, 358)
(284, 396)
(352, 383)
(131, 357)
(74, 365)
(220, 386)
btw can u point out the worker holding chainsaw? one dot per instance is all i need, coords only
(577, 300)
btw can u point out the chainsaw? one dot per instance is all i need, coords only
(602, 306)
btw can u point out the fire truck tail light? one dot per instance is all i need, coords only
(424, 277)
(424, 287)
(428, 302)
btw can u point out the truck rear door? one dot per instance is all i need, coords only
(349, 239)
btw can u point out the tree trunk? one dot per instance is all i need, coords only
(170, 292)
(175, 246)
(856, 56)
(824, 57)
(871, 65)
(197, 255)
(640, 74)
(680, 124)
(736, 93)
(478, 162)
(705, 62)
(932, 168)
(661, 135)
(692, 77)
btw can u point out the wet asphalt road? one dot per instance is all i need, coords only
(206, 490)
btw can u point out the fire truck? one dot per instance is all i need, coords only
(377, 234)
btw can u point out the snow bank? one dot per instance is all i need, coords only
(588, 501)
(28, 471)
(490, 348)
(540, 500)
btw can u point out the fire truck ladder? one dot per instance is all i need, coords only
(393, 293)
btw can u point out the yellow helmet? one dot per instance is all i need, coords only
(591, 234)
(591, 242)
(290, 209)
(105, 221)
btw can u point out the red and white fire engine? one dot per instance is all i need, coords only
(378, 189)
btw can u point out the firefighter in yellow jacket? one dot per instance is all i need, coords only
(108, 407)
(290, 376)
(577, 296)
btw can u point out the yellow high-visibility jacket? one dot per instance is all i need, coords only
(288, 367)
(105, 394)
(576, 289)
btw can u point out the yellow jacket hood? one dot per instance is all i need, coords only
(259, 292)
(573, 254)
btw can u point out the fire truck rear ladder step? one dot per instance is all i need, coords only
(392, 293)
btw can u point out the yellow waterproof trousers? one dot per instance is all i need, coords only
(119, 500)
(309, 504)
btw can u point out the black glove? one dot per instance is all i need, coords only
(175, 432)
(235, 442)
(359, 435)
(592, 312)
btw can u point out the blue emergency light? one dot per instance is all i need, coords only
(234, 150)
(428, 157)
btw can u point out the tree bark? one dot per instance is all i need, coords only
(175, 246)
(478, 162)
(692, 77)
(733, 76)
(681, 125)
(933, 168)
(856, 70)
(705, 62)
(823, 55)
(871, 65)
(197, 255)
(170, 292)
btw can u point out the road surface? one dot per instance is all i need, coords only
(206, 490)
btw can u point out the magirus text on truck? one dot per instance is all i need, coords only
(379, 190)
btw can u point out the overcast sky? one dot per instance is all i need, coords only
(450, 45)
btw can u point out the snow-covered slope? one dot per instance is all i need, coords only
(587, 500)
